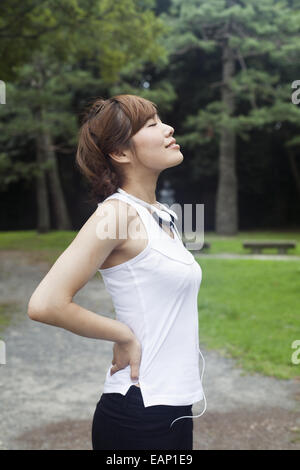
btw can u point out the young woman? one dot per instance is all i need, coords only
(152, 278)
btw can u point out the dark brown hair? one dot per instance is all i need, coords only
(107, 127)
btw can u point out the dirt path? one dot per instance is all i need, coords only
(53, 379)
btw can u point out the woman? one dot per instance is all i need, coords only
(153, 280)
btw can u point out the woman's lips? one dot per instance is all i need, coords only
(173, 146)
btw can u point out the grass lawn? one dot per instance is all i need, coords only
(57, 240)
(234, 244)
(44, 247)
(249, 309)
(31, 240)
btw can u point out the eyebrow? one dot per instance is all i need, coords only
(154, 116)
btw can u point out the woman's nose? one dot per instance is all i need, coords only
(171, 130)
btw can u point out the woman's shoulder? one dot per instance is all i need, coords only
(117, 207)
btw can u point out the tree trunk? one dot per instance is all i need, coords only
(59, 205)
(43, 216)
(294, 170)
(226, 203)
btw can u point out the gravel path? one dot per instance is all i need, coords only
(53, 380)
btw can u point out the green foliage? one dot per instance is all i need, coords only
(25, 25)
(264, 38)
(80, 47)
(57, 55)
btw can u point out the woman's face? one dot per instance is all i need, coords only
(151, 143)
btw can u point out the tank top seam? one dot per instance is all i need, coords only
(129, 262)
(137, 258)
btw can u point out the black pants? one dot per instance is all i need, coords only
(122, 422)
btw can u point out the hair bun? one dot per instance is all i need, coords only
(94, 110)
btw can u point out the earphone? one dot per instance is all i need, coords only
(197, 416)
(165, 214)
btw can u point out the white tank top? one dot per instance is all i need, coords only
(155, 294)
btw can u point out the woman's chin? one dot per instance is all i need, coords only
(176, 162)
(180, 157)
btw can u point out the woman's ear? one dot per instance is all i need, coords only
(120, 157)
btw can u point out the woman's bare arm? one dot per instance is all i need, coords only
(52, 302)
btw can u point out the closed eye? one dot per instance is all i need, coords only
(152, 124)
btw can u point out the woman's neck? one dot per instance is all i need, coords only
(148, 197)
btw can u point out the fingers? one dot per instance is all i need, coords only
(113, 369)
(134, 371)
(133, 350)
(135, 367)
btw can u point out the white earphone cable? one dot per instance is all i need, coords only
(197, 416)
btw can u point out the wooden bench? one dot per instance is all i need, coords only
(258, 245)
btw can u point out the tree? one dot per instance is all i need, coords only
(107, 37)
(36, 112)
(24, 24)
(247, 36)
